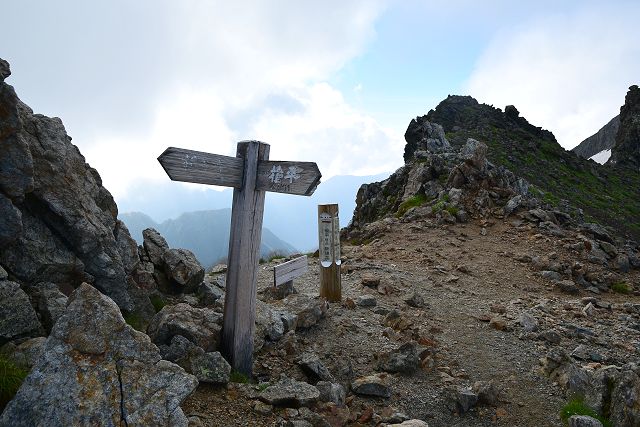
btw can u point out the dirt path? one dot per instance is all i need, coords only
(466, 277)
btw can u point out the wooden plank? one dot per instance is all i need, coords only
(202, 168)
(330, 279)
(244, 254)
(299, 178)
(289, 270)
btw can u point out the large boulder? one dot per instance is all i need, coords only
(183, 269)
(58, 222)
(201, 326)
(97, 370)
(18, 319)
(626, 150)
(422, 135)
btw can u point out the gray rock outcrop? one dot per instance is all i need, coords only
(97, 370)
(626, 150)
(602, 140)
(57, 222)
(18, 319)
(201, 326)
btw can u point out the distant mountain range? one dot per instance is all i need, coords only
(205, 233)
(291, 218)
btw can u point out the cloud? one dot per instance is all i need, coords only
(256, 70)
(568, 72)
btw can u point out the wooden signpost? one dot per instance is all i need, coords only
(329, 252)
(250, 173)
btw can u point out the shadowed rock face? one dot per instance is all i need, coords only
(58, 223)
(113, 375)
(626, 151)
(602, 140)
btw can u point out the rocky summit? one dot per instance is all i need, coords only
(492, 280)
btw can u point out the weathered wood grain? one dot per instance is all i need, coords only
(289, 270)
(330, 278)
(299, 178)
(244, 254)
(202, 168)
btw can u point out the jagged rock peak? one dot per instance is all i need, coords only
(602, 140)
(626, 150)
(422, 135)
(465, 112)
(5, 70)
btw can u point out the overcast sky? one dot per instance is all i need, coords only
(334, 82)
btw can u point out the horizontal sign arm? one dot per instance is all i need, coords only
(202, 168)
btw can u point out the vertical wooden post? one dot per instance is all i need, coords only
(329, 252)
(244, 254)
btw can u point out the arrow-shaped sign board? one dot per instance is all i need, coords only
(250, 173)
(299, 178)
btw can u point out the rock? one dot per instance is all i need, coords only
(28, 352)
(583, 421)
(498, 324)
(597, 231)
(290, 393)
(182, 267)
(5, 70)
(410, 423)
(512, 205)
(18, 319)
(567, 286)
(487, 392)
(415, 300)
(589, 310)
(475, 153)
(209, 293)
(551, 275)
(465, 399)
(367, 301)
(263, 408)
(625, 153)
(97, 370)
(10, 222)
(313, 367)
(528, 322)
(180, 351)
(371, 385)
(403, 359)
(370, 281)
(551, 336)
(331, 392)
(211, 368)
(269, 325)
(3, 274)
(155, 246)
(51, 304)
(201, 326)
(622, 263)
(308, 309)
(422, 135)
(625, 397)
(69, 231)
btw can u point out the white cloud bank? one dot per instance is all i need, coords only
(256, 71)
(566, 73)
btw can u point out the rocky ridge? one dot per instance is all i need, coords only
(626, 150)
(602, 140)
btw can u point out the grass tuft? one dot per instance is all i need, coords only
(158, 302)
(412, 202)
(577, 406)
(238, 377)
(11, 377)
(621, 288)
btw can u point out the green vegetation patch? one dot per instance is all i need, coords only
(158, 302)
(136, 322)
(577, 406)
(11, 377)
(415, 201)
(621, 288)
(238, 377)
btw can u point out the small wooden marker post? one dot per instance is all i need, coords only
(329, 252)
(250, 173)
